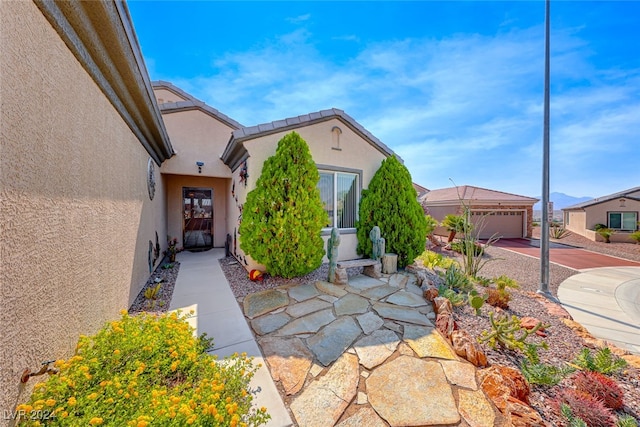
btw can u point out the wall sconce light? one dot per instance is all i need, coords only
(200, 165)
(622, 203)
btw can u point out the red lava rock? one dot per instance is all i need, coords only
(523, 415)
(464, 346)
(446, 324)
(442, 305)
(530, 323)
(430, 294)
(501, 382)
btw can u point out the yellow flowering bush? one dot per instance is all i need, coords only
(147, 370)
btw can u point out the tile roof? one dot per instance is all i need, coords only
(471, 193)
(235, 150)
(618, 195)
(191, 103)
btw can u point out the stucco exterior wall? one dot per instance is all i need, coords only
(164, 96)
(174, 186)
(196, 137)
(75, 215)
(351, 152)
(575, 221)
(583, 221)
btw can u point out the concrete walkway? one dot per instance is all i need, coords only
(606, 301)
(201, 286)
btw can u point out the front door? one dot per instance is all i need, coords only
(198, 218)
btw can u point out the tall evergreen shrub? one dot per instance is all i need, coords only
(391, 203)
(283, 216)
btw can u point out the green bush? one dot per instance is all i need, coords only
(454, 224)
(283, 216)
(432, 260)
(391, 203)
(147, 370)
(635, 236)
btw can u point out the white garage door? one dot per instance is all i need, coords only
(504, 224)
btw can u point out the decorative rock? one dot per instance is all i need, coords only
(362, 398)
(308, 324)
(529, 322)
(269, 323)
(442, 305)
(328, 298)
(379, 292)
(398, 280)
(409, 392)
(330, 289)
(475, 409)
(263, 302)
(389, 263)
(465, 347)
(427, 342)
(374, 349)
(334, 339)
(413, 288)
(446, 324)
(351, 304)
(501, 382)
(374, 270)
(403, 314)
(306, 307)
(322, 403)
(289, 361)
(364, 417)
(393, 326)
(430, 294)
(341, 277)
(303, 292)
(462, 374)
(364, 282)
(315, 369)
(523, 415)
(369, 322)
(406, 299)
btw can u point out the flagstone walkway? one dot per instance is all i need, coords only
(366, 354)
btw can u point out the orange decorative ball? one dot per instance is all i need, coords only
(255, 275)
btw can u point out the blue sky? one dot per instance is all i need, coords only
(455, 88)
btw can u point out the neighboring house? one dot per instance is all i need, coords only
(618, 211)
(99, 166)
(493, 212)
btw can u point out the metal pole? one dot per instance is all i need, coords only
(544, 224)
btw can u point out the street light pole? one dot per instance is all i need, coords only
(544, 224)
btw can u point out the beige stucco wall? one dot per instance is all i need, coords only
(355, 153)
(174, 186)
(75, 215)
(575, 221)
(196, 137)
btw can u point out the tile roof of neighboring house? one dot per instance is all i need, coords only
(235, 151)
(420, 189)
(621, 194)
(475, 194)
(191, 103)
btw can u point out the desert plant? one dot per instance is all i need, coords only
(600, 386)
(142, 370)
(599, 226)
(454, 297)
(476, 301)
(455, 279)
(635, 236)
(503, 282)
(151, 293)
(499, 299)
(390, 202)
(603, 361)
(283, 215)
(626, 420)
(454, 224)
(572, 420)
(432, 223)
(606, 234)
(558, 232)
(432, 260)
(536, 372)
(586, 408)
(506, 332)
(464, 248)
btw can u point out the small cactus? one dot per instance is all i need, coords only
(507, 332)
(332, 253)
(377, 242)
(587, 408)
(600, 386)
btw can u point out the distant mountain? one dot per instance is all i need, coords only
(561, 201)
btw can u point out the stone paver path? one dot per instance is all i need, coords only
(366, 354)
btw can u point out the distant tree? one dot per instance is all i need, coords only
(391, 203)
(283, 216)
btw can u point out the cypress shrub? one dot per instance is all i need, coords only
(283, 216)
(391, 203)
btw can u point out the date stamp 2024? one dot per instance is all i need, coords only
(21, 414)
